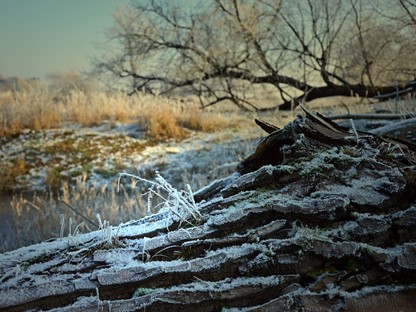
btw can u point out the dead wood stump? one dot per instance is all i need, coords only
(317, 218)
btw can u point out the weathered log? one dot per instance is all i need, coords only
(375, 116)
(404, 130)
(410, 88)
(382, 93)
(317, 218)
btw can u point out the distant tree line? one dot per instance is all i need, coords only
(236, 49)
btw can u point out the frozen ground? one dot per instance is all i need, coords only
(100, 153)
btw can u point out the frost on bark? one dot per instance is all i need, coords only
(317, 218)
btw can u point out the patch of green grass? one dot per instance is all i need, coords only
(75, 173)
(53, 178)
(106, 173)
(87, 167)
(65, 146)
(73, 147)
(133, 147)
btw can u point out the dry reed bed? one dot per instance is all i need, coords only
(73, 210)
(38, 108)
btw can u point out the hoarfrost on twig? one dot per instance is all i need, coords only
(180, 203)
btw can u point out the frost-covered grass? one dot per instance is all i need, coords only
(74, 210)
(180, 203)
(88, 208)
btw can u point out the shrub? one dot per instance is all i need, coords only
(31, 108)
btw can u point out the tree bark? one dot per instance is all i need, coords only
(317, 218)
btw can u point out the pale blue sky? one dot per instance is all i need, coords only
(38, 37)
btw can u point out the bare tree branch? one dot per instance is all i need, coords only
(304, 50)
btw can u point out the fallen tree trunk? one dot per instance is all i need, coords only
(381, 93)
(404, 130)
(409, 89)
(317, 218)
(375, 116)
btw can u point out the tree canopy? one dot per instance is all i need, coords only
(237, 50)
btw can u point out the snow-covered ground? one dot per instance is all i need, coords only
(102, 152)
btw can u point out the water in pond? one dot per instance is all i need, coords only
(6, 219)
(41, 213)
(9, 239)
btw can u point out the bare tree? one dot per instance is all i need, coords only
(231, 50)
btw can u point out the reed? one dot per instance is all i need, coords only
(39, 108)
(38, 217)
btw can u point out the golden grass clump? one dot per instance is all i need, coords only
(95, 107)
(162, 124)
(31, 108)
(195, 119)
